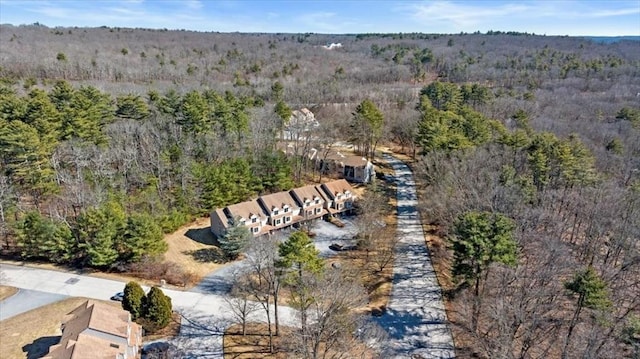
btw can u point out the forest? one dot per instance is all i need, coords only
(526, 148)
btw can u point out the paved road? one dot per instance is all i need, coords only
(415, 319)
(205, 315)
(25, 300)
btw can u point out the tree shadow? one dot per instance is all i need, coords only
(39, 347)
(417, 330)
(208, 255)
(202, 235)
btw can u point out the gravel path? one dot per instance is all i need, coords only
(415, 319)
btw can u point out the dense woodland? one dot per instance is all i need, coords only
(528, 148)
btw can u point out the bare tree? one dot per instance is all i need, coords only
(383, 244)
(333, 318)
(263, 280)
(239, 303)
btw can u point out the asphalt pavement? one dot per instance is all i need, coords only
(25, 300)
(415, 319)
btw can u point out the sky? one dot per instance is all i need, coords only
(543, 17)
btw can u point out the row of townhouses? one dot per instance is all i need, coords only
(283, 209)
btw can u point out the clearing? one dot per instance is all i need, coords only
(188, 239)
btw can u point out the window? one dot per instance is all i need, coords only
(339, 205)
(275, 212)
(286, 209)
(318, 210)
(255, 229)
(254, 220)
(309, 213)
(278, 222)
(317, 201)
(287, 219)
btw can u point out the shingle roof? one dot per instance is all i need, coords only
(86, 346)
(278, 200)
(307, 193)
(338, 186)
(84, 329)
(348, 160)
(219, 217)
(246, 209)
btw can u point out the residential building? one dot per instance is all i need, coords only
(97, 330)
(249, 213)
(302, 119)
(310, 200)
(353, 168)
(281, 208)
(340, 196)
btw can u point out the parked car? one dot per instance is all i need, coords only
(158, 350)
(335, 247)
(339, 248)
(118, 297)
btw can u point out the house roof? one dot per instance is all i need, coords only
(278, 200)
(219, 216)
(98, 316)
(307, 193)
(323, 193)
(94, 330)
(338, 186)
(86, 346)
(347, 159)
(246, 209)
(303, 118)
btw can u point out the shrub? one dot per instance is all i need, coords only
(157, 310)
(133, 299)
(152, 268)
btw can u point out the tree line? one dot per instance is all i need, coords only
(89, 179)
(538, 234)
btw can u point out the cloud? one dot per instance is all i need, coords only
(462, 14)
(193, 4)
(614, 13)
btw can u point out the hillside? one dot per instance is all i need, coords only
(111, 136)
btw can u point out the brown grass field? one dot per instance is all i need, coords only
(6, 291)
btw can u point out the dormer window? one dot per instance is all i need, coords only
(286, 209)
(275, 211)
(254, 220)
(317, 200)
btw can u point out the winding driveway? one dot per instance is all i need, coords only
(415, 320)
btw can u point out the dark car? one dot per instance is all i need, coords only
(118, 297)
(158, 350)
(339, 248)
(335, 247)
